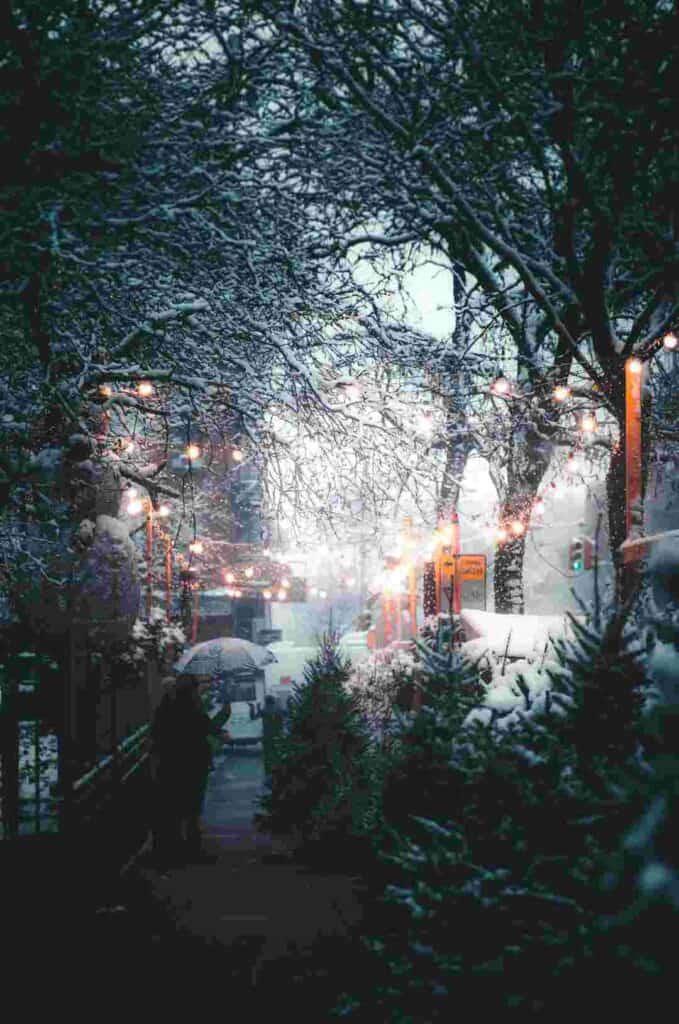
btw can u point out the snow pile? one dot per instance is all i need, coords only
(515, 689)
(521, 636)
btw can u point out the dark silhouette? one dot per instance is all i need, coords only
(182, 734)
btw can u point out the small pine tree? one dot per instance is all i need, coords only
(602, 677)
(319, 782)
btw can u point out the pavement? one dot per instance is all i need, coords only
(256, 927)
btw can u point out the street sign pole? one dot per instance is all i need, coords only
(631, 552)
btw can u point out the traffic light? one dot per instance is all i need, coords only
(576, 554)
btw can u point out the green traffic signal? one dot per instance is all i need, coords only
(577, 565)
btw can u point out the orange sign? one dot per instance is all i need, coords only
(633, 375)
(470, 567)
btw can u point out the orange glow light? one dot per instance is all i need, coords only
(230, 578)
(249, 572)
(105, 390)
(502, 536)
(145, 389)
(164, 511)
(193, 452)
(237, 455)
(196, 547)
(635, 365)
(518, 528)
(561, 392)
(588, 424)
(266, 594)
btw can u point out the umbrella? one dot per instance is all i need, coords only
(223, 654)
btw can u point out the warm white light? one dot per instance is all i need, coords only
(230, 578)
(266, 552)
(588, 424)
(129, 447)
(249, 572)
(539, 507)
(561, 392)
(106, 390)
(135, 507)
(670, 341)
(500, 386)
(238, 593)
(132, 492)
(635, 365)
(193, 452)
(285, 582)
(266, 594)
(145, 389)
(282, 594)
(164, 511)
(237, 455)
(517, 528)
(197, 547)
(502, 535)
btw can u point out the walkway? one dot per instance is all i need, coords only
(254, 929)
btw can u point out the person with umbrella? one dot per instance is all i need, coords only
(181, 735)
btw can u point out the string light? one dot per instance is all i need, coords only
(196, 547)
(230, 578)
(588, 424)
(323, 593)
(561, 392)
(135, 507)
(285, 582)
(670, 341)
(129, 447)
(282, 594)
(164, 511)
(266, 594)
(132, 492)
(518, 528)
(192, 452)
(539, 507)
(237, 455)
(635, 365)
(249, 572)
(106, 390)
(145, 389)
(502, 535)
(500, 386)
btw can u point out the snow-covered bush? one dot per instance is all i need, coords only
(152, 639)
(379, 685)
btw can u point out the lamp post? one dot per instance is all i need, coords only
(149, 556)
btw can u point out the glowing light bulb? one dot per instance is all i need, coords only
(502, 535)
(518, 528)
(635, 365)
(323, 593)
(106, 390)
(539, 507)
(249, 572)
(266, 594)
(196, 547)
(285, 582)
(266, 552)
(164, 511)
(132, 492)
(135, 507)
(282, 594)
(193, 452)
(670, 341)
(237, 455)
(500, 386)
(230, 578)
(561, 392)
(145, 389)
(588, 424)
